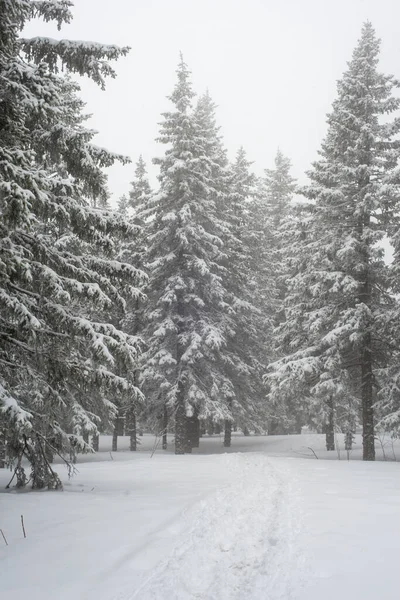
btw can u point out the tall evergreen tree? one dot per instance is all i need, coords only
(246, 273)
(134, 252)
(274, 217)
(187, 307)
(338, 313)
(54, 350)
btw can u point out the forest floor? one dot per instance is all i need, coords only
(264, 521)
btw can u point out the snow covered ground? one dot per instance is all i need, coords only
(264, 521)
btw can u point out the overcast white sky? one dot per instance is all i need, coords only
(271, 67)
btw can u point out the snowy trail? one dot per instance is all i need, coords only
(240, 542)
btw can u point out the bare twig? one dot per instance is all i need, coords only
(304, 453)
(17, 467)
(381, 440)
(56, 479)
(309, 447)
(394, 453)
(111, 456)
(160, 434)
(11, 480)
(4, 537)
(23, 526)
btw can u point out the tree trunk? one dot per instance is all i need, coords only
(49, 453)
(330, 426)
(246, 431)
(188, 437)
(228, 434)
(114, 446)
(367, 401)
(130, 427)
(366, 351)
(217, 428)
(348, 440)
(165, 428)
(118, 429)
(193, 425)
(85, 436)
(2, 444)
(95, 442)
(210, 428)
(120, 423)
(180, 420)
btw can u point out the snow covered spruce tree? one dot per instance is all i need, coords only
(250, 292)
(140, 187)
(337, 316)
(221, 178)
(56, 275)
(274, 216)
(187, 311)
(278, 187)
(134, 251)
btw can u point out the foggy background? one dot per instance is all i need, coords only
(270, 66)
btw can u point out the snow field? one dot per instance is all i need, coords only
(264, 523)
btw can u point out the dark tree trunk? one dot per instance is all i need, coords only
(367, 401)
(130, 427)
(188, 437)
(246, 431)
(193, 426)
(330, 426)
(118, 429)
(165, 428)
(210, 428)
(366, 350)
(95, 442)
(114, 446)
(85, 436)
(2, 444)
(217, 428)
(182, 442)
(180, 421)
(228, 434)
(274, 427)
(120, 424)
(49, 452)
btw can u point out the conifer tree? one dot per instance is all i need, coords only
(273, 217)
(278, 187)
(188, 324)
(140, 187)
(123, 205)
(54, 351)
(246, 274)
(339, 297)
(134, 252)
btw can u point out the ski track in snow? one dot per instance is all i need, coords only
(240, 542)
